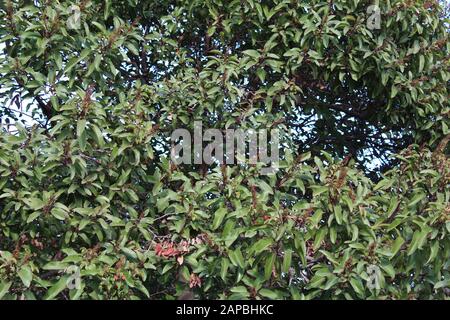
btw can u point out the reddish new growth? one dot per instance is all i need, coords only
(119, 277)
(195, 281)
(168, 249)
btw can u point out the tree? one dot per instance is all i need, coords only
(358, 209)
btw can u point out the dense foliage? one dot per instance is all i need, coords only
(86, 181)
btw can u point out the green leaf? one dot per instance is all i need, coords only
(59, 214)
(239, 289)
(416, 199)
(107, 11)
(166, 268)
(81, 126)
(316, 281)
(287, 260)
(237, 258)
(25, 275)
(261, 73)
(55, 265)
(320, 235)
(338, 214)
(98, 136)
(129, 253)
(33, 216)
(72, 62)
(218, 217)
(417, 241)
(35, 204)
(268, 267)
(265, 187)
(421, 63)
(4, 288)
(393, 205)
(132, 48)
(394, 91)
(442, 284)
(433, 251)
(357, 285)
(316, 218)
(252, 53)
(266, 293)
(389, 269)
(225, 263)
(261, 245)
(333, 235)
(141, 288)
(397, 245)
(383, 184)
(57, 288)
(318, 190)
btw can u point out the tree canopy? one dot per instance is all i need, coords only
(92, 90)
